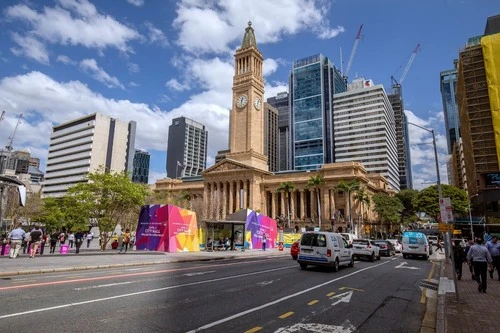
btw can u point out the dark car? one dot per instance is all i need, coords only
(294, 250)
(386, 247)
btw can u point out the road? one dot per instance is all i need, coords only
(246, 295)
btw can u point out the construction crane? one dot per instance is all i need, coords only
(353, 52)
(1, 115)
(408, 65)
(11, 141)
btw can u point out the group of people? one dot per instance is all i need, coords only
(481, 258)
(34, 241)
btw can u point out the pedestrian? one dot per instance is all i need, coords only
(15, 238)
(43, 241)
(78, 240)
(125, 241)
(35, 238)
(264, 240)
(470, 264)
(62, 238)
(26, 242)
(459, 258)
(439, 247)
(71, 239)
(493, 247)
(89, 237)
(481, 258)
(54, 238)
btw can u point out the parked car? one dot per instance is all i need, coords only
(396, 244)
(294, 250)
(415, 244)
(385, 247)
(321, 248)
(365, 248)
(349, 237)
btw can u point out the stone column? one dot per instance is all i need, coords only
(283, 203)
(273, 205)
(206, 194)
(231, 209)
(224, 200)
(293, 196)
(302, 204)
(325, 211)
(314, 205)
(237, 189)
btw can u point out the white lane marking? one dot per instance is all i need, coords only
(346, 327)
(265, 283)
(263, 306)
(141, 292)
(105, 285)
(402, 265)
(344, 297)
(198, 273)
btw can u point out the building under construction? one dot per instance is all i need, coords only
(479, 107)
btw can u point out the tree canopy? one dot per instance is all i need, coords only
(427, 200)
(409, 212)
(388, 208)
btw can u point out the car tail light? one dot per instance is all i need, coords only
(425, 248)
(383, 246)
(328, 253)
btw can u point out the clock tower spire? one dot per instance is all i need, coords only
(246, 132)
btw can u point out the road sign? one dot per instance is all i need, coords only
(445, 210)
(443, 227)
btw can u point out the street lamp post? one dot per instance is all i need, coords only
(470, 216)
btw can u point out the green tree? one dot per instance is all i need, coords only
(363, 198)
(409, 213)
(108, 199)
(349, 187)
(388, 208)
(64, 212)
(286, 188)
(30, 212)
(427, 200)
(316, 182)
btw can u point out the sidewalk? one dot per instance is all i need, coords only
(95, 259)
(474, 311)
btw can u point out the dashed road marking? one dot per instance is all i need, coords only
(255, 329)
(330, 294)
(286, 315)
(349, 288)
(313, 302)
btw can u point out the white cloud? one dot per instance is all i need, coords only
(30, 47)
(137, 3)
(275, 88)
(422, 150)
(176, 85)
(133, 68)
(212, 26)
(133, 84)
(65, 59)
(269, 66)
(75, 22)
(90, 66)
(156, 36)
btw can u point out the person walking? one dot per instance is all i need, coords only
(264, 240)
(439, 247)
(78, 240)
(35, 238)
(89, 237)
(125, 240)
(54, 238)
(480, 258)
(43, 241)
(470, 264)
(71, 239)
(459, 258)
(26, 242)
(493, 247)
(15, 238)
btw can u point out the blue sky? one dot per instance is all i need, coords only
(151, 61)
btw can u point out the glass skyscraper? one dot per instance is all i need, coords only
(140, 172)
(448, 83)
(313, 82)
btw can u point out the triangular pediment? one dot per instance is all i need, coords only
(228, 165)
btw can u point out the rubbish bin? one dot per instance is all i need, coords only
(64, 249)
(7, 250)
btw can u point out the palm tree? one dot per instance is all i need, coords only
(351, 186)
(286, 188)
(363, 198)
(316, 182)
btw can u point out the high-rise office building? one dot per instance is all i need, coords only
(271, 136)
(314, 80)
(402, 137)
(281, 103)
(141, 167)
(87, 145)
(187, 148)
(364, 130)
(448, 84)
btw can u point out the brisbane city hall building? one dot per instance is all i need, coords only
(242, 179)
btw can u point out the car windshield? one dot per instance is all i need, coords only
(413, 240)
(360, 241)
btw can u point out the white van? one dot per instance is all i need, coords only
(349, 237)
(321, 248)
(415, 244)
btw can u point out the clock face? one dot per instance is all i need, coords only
(257, 103)
(241, 101)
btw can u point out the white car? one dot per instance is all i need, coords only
(349, 237)
(320, 248)
(396, 244)
(365, 248)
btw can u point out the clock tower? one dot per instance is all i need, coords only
(246, 121)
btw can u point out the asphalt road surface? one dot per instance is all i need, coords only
(246, 295)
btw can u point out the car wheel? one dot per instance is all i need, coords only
(378, 257)
(303, 266)
(336, 265)
(351, 264)
(372, 258)
(405, 256)
(426, 257)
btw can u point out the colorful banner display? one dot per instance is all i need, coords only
(256, 225)
(167, 228)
